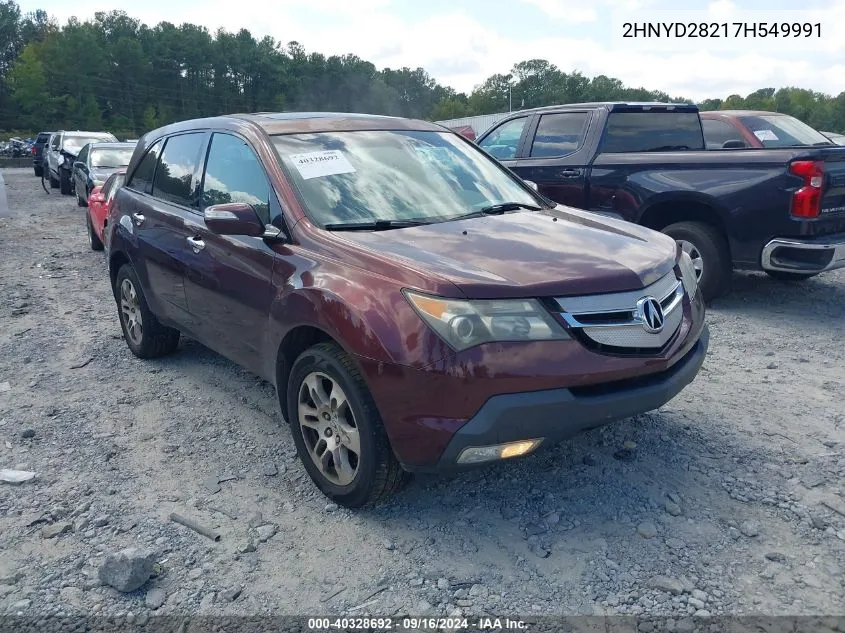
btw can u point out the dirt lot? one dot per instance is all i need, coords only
(732, 501)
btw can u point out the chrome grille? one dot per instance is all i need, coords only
(614, 320)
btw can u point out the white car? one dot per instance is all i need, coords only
(61, 152)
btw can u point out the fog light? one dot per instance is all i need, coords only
(478, 454)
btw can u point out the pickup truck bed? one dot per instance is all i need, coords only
(778, 210)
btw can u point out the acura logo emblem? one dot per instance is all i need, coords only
(650, 314)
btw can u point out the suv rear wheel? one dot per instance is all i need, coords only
(338, 431)
(710, 255)
(145, 336)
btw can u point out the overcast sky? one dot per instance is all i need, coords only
(461, 42)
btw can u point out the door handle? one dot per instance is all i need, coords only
(139, 218)
(569, 173)
(196, 243)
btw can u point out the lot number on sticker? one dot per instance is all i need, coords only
(765, 135)
(327, 163)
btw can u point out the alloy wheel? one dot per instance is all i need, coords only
(130, 309)
(697, 262)
(329, 428)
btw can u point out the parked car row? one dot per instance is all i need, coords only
(549, 279)
(76, 162)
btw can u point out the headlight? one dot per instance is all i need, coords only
(464, 324)
(688, 275)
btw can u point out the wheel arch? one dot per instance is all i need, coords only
(664, 211)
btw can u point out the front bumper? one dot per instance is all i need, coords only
(804, 256)
(557, 414)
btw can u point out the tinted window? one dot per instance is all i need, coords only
(559, 134)
(652, 132)
(234, 174)
(83, 154)
(780, 130)
(717, 133)
(142, 177)
(175, 174)
(504, 140)
(43, 138)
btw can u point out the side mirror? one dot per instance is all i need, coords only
(532, 184)
(734, 144)
(233, 218)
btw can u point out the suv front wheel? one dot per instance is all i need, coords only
(337, 429)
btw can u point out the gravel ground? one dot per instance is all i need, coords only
(729, 500)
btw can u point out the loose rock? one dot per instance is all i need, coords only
(647, 529)
(128, 569)
(52, 531)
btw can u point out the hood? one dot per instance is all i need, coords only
(529, 254)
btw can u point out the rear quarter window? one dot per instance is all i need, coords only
(142, 178)
(652, 132)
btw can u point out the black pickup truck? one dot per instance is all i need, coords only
(778, 210)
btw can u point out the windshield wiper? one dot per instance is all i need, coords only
(495, 209)
(375, 225)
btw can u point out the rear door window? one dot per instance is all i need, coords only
(175, 175)
(142, 177)
(503, 142)
(717, 133)
(559, 134)
(652, 131)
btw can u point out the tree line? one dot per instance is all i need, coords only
(114, 72)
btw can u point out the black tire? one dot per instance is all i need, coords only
(379, 474)
(785, 276)
(155, 339)
(717, 269)
(93, 240)
(54, 184)
(64, 183)
(79, 201)
(39, 171)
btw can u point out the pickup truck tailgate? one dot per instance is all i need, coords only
(833, 198)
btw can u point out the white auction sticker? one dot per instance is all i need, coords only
(326, 163)
(765, 135)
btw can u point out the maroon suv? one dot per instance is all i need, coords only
(417, 306)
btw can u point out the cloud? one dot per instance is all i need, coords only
(572, 11)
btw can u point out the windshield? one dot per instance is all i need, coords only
(108, 157)
(781, 130)
(72, 144)
(369, 176)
